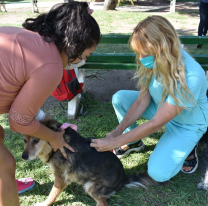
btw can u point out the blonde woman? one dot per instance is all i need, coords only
(172, 94)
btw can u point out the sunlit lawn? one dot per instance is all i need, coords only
(182, 189)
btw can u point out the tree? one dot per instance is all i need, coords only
(110, 4)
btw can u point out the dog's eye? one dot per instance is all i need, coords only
(35, 141)
(25, 141)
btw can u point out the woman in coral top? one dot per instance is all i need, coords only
(31, 67)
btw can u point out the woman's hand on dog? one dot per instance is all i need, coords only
(58, 142)
(104, 144)
(108, 143)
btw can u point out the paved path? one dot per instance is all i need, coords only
(99, 6)
(93, 5)
(40, 4)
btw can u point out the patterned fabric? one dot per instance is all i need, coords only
(22, 119)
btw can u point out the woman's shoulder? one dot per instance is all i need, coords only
(37, 48)
(30, 43)
(29, 49)
(10, 29)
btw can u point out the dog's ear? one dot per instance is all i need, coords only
(54, 125)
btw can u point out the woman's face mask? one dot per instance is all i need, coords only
(70, 66)
(148, 61)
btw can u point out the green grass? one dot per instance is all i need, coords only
(101, 119)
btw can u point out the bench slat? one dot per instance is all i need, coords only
(124, 39)
(127, 60)
(205, 66)
(194, 39)
(112, 57)
(130, 58)
(92, 65)
(200, 58)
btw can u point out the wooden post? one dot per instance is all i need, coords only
(2, 5)
(172, 6)
(32, 4)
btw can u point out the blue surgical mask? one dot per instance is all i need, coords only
(148, 61)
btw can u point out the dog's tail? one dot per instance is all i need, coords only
(141, 180)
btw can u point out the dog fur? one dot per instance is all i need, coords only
(203, 185)
(100, 173)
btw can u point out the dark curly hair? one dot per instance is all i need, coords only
(69, 26)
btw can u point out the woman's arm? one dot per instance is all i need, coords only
(166, 113)
(38, 87)
(135, 111)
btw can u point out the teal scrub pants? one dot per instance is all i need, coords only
(173, 147)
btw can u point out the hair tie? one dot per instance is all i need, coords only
(89, 10)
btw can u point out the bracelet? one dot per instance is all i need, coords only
(40, 115)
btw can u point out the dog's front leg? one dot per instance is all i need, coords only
(58, 187)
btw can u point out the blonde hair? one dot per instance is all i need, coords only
(156, 36)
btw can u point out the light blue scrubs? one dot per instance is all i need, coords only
(183, 132)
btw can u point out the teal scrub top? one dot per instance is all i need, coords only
(193, 117)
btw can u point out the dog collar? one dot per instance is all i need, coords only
(66, 125)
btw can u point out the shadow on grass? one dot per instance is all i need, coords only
(185, 32)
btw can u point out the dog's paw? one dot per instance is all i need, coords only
(202, 185)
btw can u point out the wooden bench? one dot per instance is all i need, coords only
(126, 61)
(33, 3)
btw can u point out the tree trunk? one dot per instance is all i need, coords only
(110, 4)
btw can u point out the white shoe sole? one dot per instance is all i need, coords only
(132, 150)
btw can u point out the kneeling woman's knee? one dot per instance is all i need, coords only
(117, 97)
(158, 173)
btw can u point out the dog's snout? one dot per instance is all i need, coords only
(25, 155)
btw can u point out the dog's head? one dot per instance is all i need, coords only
(37, 147)
(33, 147)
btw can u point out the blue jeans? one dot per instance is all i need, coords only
(203, 24)
(173, 147)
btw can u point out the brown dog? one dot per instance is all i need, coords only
(100, 173)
